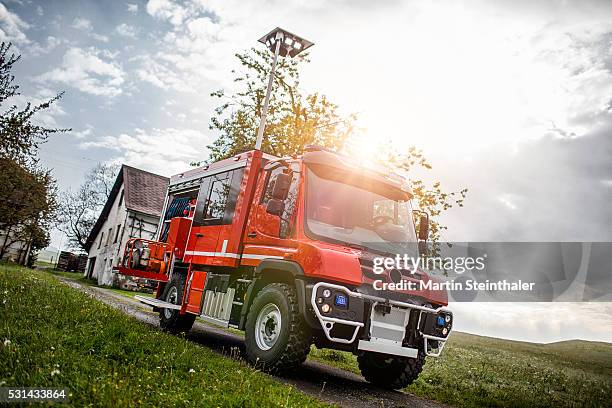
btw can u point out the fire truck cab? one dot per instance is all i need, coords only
(283, 248)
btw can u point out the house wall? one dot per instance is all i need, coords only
(108, 246)
(17, 251)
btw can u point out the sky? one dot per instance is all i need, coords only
(511, 99)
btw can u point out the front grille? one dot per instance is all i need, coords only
(366, 262)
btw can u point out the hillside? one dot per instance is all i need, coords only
(483, 371)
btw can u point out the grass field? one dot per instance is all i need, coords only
(54, 336)
(107, 357)
(477, 371)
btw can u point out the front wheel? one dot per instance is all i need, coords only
(276, 337)
(169, 319)
(390, 371)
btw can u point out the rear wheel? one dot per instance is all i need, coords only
(169, 319)
(276, 337)
(390, 371)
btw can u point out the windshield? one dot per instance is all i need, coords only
(348, 208)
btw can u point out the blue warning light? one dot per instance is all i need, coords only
(341, 300)
(440, 321)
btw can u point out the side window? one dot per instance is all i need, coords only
(286, 223)
(272, 174)
(101, 239)
(217, 198)
(219, 190)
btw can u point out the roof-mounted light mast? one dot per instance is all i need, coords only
(285, 44)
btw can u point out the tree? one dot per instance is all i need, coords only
(27, 204)
(27, 191)
(20, 137)
(79, 209)
(431, 197)
(296, 120)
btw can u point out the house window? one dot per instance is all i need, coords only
(101, 239)
(120, 199)
(108, 237)
(117, 233)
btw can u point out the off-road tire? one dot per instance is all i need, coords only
(175, 322)
(390, 372)
(293, 343)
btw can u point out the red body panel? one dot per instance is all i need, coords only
(178, 234)
(196, 292)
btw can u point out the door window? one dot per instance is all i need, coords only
(286, 219)
(217, 198)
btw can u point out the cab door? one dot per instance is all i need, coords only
(213, 218)
(268, 234)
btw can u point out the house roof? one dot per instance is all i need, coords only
(144, 192)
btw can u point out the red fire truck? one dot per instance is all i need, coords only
(284, 248)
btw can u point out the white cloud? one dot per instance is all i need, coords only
(132, 8)
(82, 24)
(163, 151)
(50, 44)
(85, 25)
(88, 71)
(83, 133)
(46, 117)
(126, 30)
(12, 27)
(167, 10)
(156, 72)
(536, 322)
(40, 11)
(99, 37)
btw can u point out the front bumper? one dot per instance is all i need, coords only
(386, 324)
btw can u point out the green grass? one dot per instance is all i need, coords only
(54, 336)
(480, 371)
(44, 264)
(70, 275)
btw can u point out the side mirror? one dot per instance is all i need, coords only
(281, 187)
(275, 207)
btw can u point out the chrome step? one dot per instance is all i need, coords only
(157, 303)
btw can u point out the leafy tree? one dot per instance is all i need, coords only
(431, 198)
(79, 209)
(27, 191)
(296, 120)
(27, 204)
(20, 137)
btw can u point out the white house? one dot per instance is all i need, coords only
(132, 211)
(12, 249)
